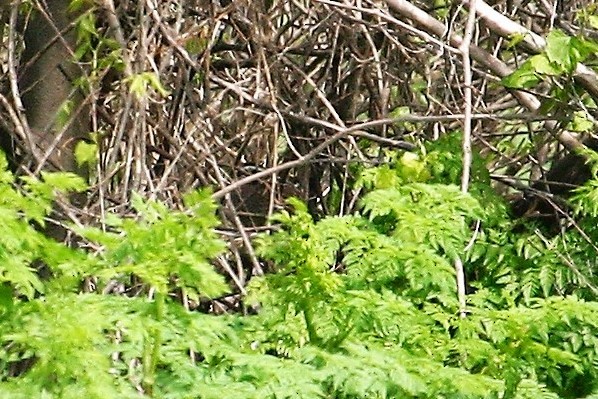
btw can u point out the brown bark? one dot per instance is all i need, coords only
(47, 82)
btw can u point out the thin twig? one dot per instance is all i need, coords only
(464, 48)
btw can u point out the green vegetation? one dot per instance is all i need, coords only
(359, 306)
(273, 101)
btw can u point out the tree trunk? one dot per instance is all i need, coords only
(52, 105)
(47, 76)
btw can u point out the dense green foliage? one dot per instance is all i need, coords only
(360, 306)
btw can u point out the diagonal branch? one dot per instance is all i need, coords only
(499, 68)
(533, 42)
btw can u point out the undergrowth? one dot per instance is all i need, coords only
(359, 306)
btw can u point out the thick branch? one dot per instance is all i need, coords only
(533, 42)
(481, 56)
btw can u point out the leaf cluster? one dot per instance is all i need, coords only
(359, 306)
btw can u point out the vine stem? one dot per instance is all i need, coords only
(154, 342)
